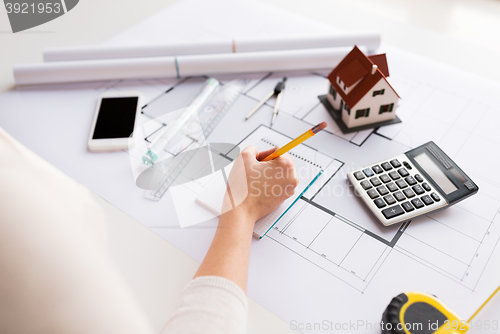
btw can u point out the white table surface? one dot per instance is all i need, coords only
(462, 33)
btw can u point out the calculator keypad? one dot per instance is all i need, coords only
(372, 193)
(392, 187)
(408, 207)
(399, 196)
(435, 197)
(379, 202)
(368, 172)
(395, 189)
(385, 178)
(394, 175)
(375, 181)
(409, 193)
(403, 172)
(392, 212)
(366, 185)
(382, 190)
(401, 184)
(377, 169)
(417, 203)
(386, 166)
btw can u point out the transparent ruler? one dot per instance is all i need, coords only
(169, 172)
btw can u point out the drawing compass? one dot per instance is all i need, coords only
(278, 93)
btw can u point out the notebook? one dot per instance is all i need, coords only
(264, 138)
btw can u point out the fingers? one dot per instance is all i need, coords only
(264, 154)
(249, 153)
(285, 160)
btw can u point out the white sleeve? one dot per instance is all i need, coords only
(56, 275)
(210, 305)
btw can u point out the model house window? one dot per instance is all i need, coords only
(386, 108)
(347, 108)
(362, 113)
(340, 81)
(333, 92)
(378, 92)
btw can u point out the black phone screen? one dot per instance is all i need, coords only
(116, 117)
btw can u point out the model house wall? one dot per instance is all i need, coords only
(373, 103)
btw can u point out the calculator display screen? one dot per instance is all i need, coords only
(435, 173)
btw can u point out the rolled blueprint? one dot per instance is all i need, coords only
(163, 67)
(370, 41)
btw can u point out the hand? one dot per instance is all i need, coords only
(260, 187)
(255, 189)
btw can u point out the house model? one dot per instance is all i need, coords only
(359, 95)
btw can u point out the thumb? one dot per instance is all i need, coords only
(266, 153)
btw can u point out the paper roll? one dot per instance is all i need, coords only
(369, 40)
(162, 67)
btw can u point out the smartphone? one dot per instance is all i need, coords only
(114, 121)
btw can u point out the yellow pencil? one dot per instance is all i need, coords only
(300, 139)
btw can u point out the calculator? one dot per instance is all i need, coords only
(406, 186)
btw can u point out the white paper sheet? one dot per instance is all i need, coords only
(370, 40)
(354, 265)
(180, 66)
(309, 164)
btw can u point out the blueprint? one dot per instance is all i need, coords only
(327, 259)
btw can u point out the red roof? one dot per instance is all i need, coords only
(357, 66)
(381, 62)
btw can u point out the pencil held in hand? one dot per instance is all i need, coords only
(300, 139)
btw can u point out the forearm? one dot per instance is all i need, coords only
(229, 253)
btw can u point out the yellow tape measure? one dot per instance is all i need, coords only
(417, 312)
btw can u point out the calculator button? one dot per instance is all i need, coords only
(383, 190)
(418, 189)
(392, 187)
(375, 181)
(407, 206)
(427, 200)
(389, 199)
(417, 203)
(386, 166)
(359, 175)
(407, 165)
(395, 163)
(401, 184)
(379, 202)
(435, 197)
(385, 178)
(410, 180)
(426, 186)
(377, 169)
(419, 178)
(409, 193)
(469, 185)
(403, 172)
(368, 172)
(394, 175)
(366, 185)
(372, 193)
(392, 212)
(399, 196)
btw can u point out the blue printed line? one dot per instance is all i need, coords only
(177, 68)
(302, 193)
